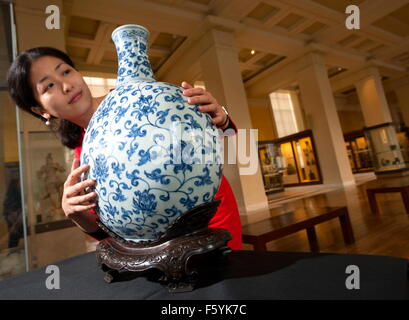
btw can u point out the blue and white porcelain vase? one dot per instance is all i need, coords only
(153, 155)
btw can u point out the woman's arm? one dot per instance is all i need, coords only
(209, 105)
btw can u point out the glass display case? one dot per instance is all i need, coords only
(13, 222)
(300, 161)
(358, 152)
(348, 146)
(385, 148)
(271, 165)
(46, 165)
(403, 139)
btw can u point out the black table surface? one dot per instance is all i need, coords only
(245, 275)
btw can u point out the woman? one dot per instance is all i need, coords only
(44, 82)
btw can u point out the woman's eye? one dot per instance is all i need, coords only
(49, 86)
(66, 72)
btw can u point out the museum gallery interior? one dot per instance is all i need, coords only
(327, 107)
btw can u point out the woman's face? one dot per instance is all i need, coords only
(60, 89)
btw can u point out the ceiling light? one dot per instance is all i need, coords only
(253, 52)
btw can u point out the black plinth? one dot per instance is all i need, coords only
(171, 254)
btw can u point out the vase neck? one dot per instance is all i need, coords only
(131, 42)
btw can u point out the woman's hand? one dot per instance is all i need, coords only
(207, 104)
(76, 206)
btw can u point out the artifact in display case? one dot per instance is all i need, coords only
(300, 161)
(403, 138)
(11, 235)
(48, 168)
(271, 166)
(385, 150)
(350, 155)
(358, 152)
(290, 175)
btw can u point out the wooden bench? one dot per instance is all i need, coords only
(260, 233)
(388, 185)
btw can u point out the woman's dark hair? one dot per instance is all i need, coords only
(22, 93)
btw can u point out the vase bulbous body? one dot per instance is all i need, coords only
(153, 155)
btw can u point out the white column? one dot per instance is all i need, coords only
(376, 111)
(221, 74)
(372, 99)
(319, 105)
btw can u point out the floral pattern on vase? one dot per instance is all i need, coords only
(153, 155)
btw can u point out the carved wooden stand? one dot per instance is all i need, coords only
(188, 236)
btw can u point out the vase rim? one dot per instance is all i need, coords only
(128, 26)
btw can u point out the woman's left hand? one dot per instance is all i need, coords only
(207, 103)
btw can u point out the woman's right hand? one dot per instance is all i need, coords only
(74, 203)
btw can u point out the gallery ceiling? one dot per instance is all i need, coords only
(268, 32)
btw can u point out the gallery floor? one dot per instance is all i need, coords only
(383, 234)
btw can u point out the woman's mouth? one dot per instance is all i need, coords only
(76, 97)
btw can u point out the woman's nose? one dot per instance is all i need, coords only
(67, 87)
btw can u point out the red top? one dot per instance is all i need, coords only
(227, 215)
